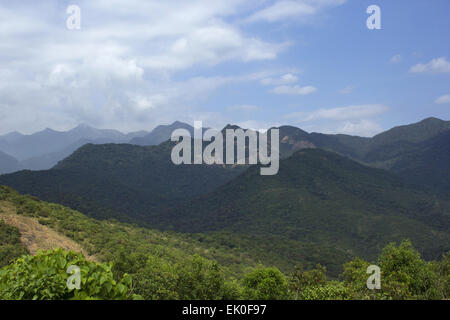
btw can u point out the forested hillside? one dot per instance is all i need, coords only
(137, 263)
(124, 181)
(323, 198)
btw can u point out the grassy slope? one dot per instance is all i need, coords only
(35, 236)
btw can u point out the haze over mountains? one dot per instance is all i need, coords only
(43, 150)
(419, 152)
(339, 194)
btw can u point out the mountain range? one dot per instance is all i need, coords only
(419, 152)
(335, 196)
(44, 149)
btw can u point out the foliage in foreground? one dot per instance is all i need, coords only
(404, 275)
(45, 276)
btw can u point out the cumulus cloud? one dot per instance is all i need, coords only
(119, 69)
(443, 99)
(294, 90)
(363, 128)
(257, 125)
(438, 65)
(346, 113)
(285, 84)
(354, 120)
(134, 64)
(287, 78)
(288, 9)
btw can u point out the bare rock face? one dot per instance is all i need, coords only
(297, 145)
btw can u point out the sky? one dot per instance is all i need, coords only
(135, 64)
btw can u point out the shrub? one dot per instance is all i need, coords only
(45, 276)
(333, 290)
(265, 284)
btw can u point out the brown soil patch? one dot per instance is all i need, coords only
(36, 236)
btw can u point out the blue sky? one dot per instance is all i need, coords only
(310, 63)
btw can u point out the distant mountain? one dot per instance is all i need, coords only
(7, 163)
(44, 149)
(47, 161)
(160, 134)
(418, 152)
(426, 163)
(415, 132)
(126, 181)
(49, 141)
(12, 136)
(323, 198)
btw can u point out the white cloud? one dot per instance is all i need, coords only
(443, 99)
(294, 90)
(211, 45)
(354, 120)
(143, 102)
(345, 113)
(256, 125)
(119, 69)
(347, 90)
(396, 59)
(287, 78)
(363, 128)
(288, 9)
(128, 67)
(439, 65)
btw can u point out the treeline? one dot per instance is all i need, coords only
(404, 275)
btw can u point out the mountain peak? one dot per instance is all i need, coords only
(432, 120)
(178, 123)
(82, 126)
(231, 126)
(11, 135)
(48, 130)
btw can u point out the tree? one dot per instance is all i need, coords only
(201, 279)
(265, 284)
(404, 275)
(443, 271)
(301, 279)
(157, 281)
(355, 279)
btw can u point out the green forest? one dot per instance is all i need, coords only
(128, 262)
